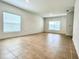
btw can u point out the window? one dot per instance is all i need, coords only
(54, 25)
(11, 22)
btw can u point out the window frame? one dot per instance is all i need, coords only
(54, 25)
(3, 22)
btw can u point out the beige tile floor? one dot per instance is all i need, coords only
(39, 46)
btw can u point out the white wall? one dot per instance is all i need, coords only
(69, 25)
(31, 23)
(63, 24)
(66, 24)
(76, 27)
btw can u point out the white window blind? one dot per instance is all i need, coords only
(54, 25)
(11, 22)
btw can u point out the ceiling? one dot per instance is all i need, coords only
(44, 7)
